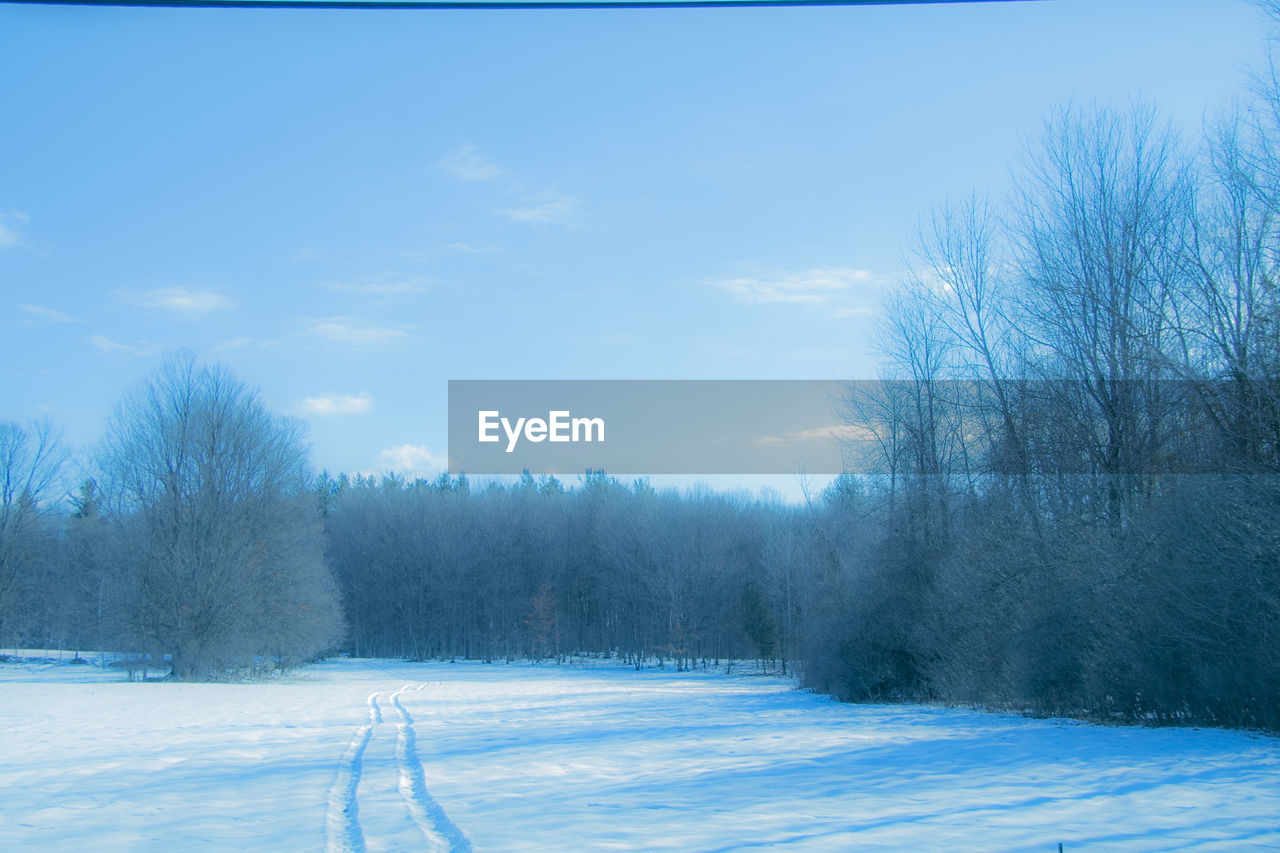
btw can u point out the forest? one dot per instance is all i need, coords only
(1076, 508)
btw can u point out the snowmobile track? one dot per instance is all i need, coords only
(342, 821)
(343, 831)
(426, 812)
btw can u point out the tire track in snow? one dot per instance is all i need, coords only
(441, 833)
(343, 831)
(342, 820)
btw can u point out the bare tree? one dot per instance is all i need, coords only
(963, 250)
(1231, 322)
(227, 557)
(31, 462)
(1099, 219)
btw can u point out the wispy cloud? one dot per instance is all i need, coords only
(468, 249)
(107, 346)
(182, 300)
(103, 344)
(467, 164)
(338, 404)
(350, 332)
(430, 254)
(813, 287)
(533, 205)
(838, 432)
(243, 345)
(9, 224)
(380, 289)
(413, 460)
(36, 312)
(546, 209)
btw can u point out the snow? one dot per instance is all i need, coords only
(384, 755)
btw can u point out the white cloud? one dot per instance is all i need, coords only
(9, 236)
(355, 333)
(813, 287)
(383, 289)
(49, 314)
(182, 300)
(338, 404)
(468, 249)
(413, 460)
(105, 345)
(245, 344)
(430, 254)
(467, 164)
(535, 206)
(546, 209)
(839, 432)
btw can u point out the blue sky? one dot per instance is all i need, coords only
(352, 208)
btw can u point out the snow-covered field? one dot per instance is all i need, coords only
(383, 755)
